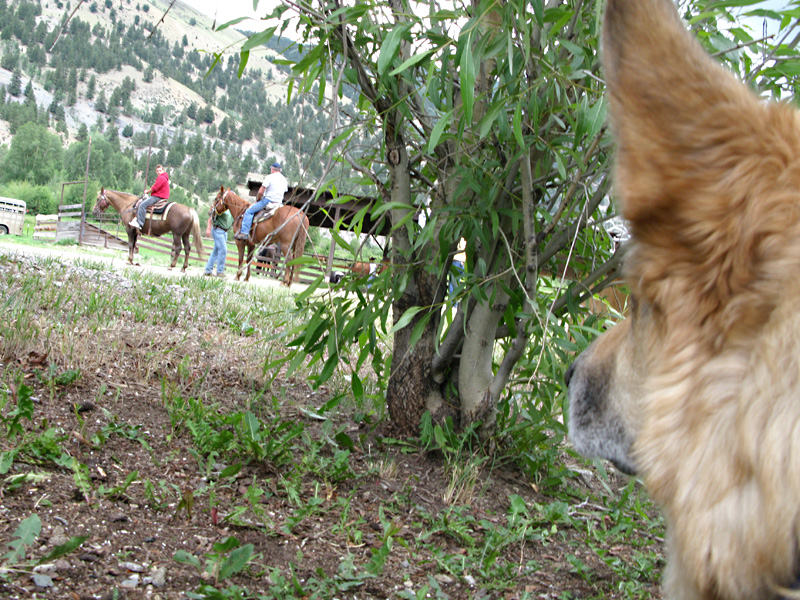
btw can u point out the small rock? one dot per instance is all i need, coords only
(131, 582)
(89, 557)
(45, 568)
(58, 537)
(131, 566)
(62, 564)
(42, 581)
(159, 577)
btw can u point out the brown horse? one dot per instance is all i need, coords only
(365, 268)
(288, 227)
(181, 220)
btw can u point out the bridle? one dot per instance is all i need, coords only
(220, 206)
(102, 202)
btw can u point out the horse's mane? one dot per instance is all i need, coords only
(232, 198)
(118, 193)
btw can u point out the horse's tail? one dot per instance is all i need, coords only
(197, 234)
(299, 246)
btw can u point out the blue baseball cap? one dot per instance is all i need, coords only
(276, 165)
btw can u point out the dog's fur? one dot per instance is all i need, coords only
(699, 389)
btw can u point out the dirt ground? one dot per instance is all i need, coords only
(180, 501)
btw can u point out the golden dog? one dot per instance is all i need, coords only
(698, 390)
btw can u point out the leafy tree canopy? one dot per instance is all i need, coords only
(35, 155)
(107, 166)
(487, 123)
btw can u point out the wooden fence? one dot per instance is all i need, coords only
(107, 231)
(45, 228)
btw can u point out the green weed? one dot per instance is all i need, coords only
(227, 558)
(24, 538)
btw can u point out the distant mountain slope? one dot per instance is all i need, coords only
(181, 20)
(117, 71)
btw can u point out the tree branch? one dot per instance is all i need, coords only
(161, 20)
(64, 27)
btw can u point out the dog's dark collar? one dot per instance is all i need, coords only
(794, 587)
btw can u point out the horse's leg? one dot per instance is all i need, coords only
(250, 251)
(187, 247)
(276, 261)
(296, 253)
(176, 250)
(131, 244)
(287, 270)
(240, 248)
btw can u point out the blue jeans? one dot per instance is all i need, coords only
(220, 251)
(453, 279)
(247, 219)
(143, 206)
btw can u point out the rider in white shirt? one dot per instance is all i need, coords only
(271, 193)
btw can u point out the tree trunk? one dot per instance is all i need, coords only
(475, 367)
(411, 390)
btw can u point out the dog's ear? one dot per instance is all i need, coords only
(674, 111)
(697, 152)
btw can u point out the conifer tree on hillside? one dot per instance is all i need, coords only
(30, 97)
(100, 103)
(15, 87)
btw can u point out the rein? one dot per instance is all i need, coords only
(219, 205)
(105, 203)
(222, 205)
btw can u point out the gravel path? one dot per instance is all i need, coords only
(118, 261)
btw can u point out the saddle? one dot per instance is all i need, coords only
(158, 208)
(262, 215)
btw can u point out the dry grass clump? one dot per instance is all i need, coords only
(135, 327)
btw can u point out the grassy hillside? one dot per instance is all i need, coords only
(141, 76)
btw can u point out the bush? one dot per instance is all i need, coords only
(40, 199)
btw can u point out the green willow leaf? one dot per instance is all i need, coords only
(417, 58)
(390, 47)
(467, 71)
(245, 56)
(407, 317)
(441, 125)
(259, 39)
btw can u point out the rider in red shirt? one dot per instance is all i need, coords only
(158, 191)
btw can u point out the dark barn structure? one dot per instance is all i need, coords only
(323, 211)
